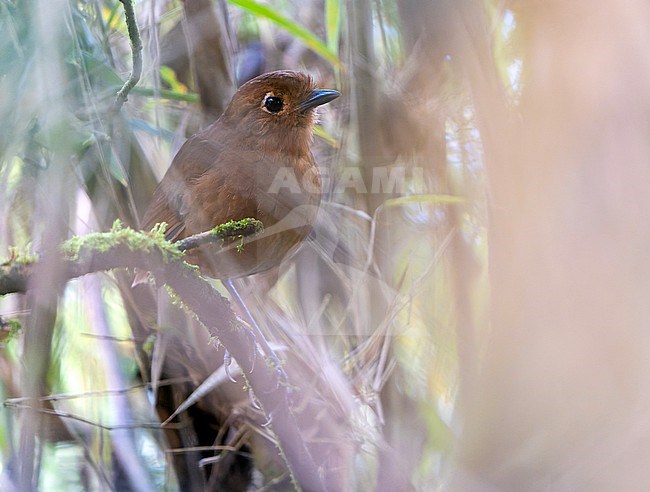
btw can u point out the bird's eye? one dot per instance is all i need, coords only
(273, 104)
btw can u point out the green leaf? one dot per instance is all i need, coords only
(423, 199)
(100, 69)
(292, 27)
(333, 24)
(144, 126)
(191, 97)
(116, 168)
(320, 132)
(169, 77)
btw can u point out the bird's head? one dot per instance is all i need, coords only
(277, 106)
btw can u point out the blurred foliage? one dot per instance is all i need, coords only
(387, 320)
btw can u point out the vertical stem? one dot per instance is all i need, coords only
(136, 51)
(365, 92)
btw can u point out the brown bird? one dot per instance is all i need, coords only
(254, 161)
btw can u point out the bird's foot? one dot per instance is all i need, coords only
(227, 361)
(274, 362)
(270, 357)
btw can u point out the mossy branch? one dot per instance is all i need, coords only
(123, 247)
(235, 229)
(126, 248)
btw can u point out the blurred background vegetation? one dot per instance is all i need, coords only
(430, 361)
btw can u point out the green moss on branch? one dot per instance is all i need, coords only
(101, 242)
(233, 229)
(122, 247)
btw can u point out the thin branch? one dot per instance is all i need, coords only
(232, 229)
(205, 30)
(91, 394)
(136, 51)
(67, 415)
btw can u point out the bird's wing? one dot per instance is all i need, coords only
(169, 203)
(162, 209)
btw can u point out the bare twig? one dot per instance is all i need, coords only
(78, 418)
(206, 33)
(136, 51)
(91, 394)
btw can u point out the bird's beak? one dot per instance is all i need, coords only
(318, 97)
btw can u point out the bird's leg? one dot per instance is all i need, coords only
(260, 339)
